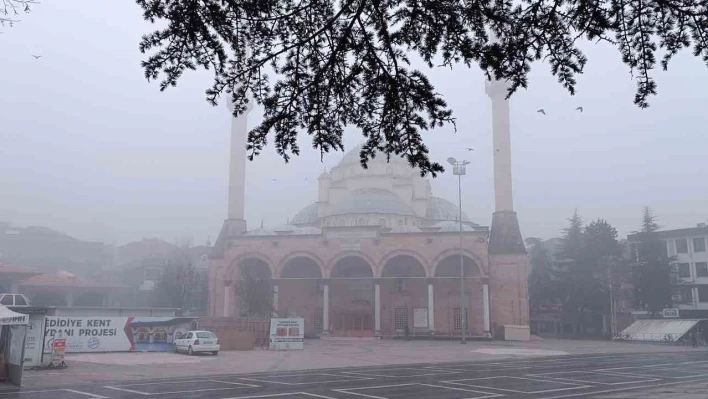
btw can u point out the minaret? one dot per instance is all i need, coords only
(237, 163)
(508, 261)
(503, 197)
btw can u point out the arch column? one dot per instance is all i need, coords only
(325, 309)
(485, 301)
(377, 307)
(431, 306)
(276, 296)
(227, 297)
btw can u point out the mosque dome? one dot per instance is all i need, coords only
(440, 209)
(352, 158)
(369, 201)
(450, 226)
(307, 215)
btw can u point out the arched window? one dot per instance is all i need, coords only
(400, 222)
(382, 222)
(361, 222)
(342, 222)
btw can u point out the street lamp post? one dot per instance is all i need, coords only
(459, 169)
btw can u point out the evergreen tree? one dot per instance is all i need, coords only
(317, 66)
(655, 275)
(587, 256)
(542, 284)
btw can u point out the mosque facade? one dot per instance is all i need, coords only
(377, 253)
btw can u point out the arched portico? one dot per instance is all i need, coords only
(352, 297)
(250, 279)
(403, 292)
(455, 307)
(298, 292)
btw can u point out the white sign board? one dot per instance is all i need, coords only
(89, 334)
(33, 341)
(420, 318)
(670, 313)
(287, 334)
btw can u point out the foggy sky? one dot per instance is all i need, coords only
(90, 148)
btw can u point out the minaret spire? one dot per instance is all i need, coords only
(237, 163)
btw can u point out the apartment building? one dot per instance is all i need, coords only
(689, 247)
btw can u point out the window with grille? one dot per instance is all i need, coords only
(319, 319)
(401, 318)
(457, 319)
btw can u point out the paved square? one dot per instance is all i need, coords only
(400, 372)
(38, 394)
(302, 379)
(417, 391)
(517, 384)
(294, 395)
(589, 377)
(179, 387)
(656, 372)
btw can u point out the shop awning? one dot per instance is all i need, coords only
(10, 318)
(662, 330)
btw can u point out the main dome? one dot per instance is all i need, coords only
(372, 201)
(352, 158)
(440, 209)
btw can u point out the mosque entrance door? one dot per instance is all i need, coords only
(355, 322)
(351, 298)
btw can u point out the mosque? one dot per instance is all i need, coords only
(377, 253)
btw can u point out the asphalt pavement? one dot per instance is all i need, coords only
(574, 376)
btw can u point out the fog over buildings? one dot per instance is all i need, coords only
(88, 147)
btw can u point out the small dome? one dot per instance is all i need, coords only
(260, 232)
(352, 157)
(440, 209)
(325, 175)
(284, 228)
(307, 215)
(372, 201)
(405, 229)
(450, 226)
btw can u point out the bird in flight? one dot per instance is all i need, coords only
(579, 109)
(36, 57)
(542, 111)
(469, 149)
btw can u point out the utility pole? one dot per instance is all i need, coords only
(459, 169)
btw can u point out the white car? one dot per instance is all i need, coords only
(197, 341)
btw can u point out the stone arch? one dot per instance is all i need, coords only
(403, 253)
(232, 271)
(310, 264)
(356, 256)
(481, 264)
(449, 266)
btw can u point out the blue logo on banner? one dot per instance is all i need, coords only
(93, 343)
